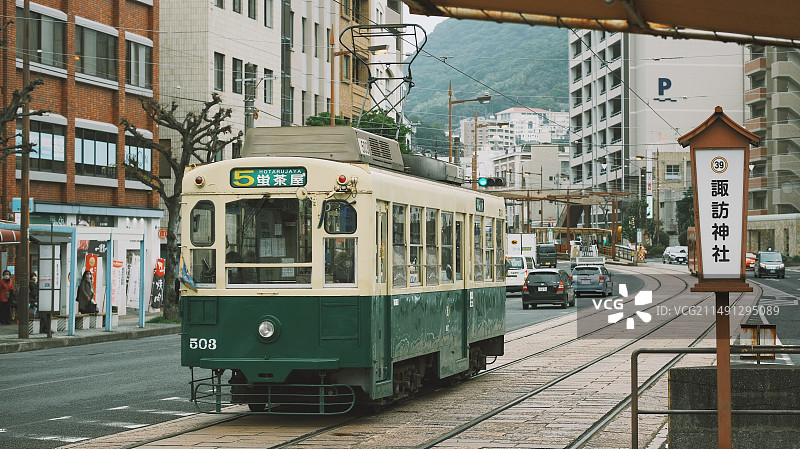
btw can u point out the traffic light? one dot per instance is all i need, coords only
(491, 182)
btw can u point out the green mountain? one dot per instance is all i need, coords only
(519, 65)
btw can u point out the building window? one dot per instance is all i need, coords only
(48, 140)
(345, 7)
(267, 86)
(95, 153)
(237, 6)
(219, 71)
(139, 70)
(220, 4)
(304, 33)
(139, 157)
(268, 13)
(346, 67)
(673, 171)
(48, 36)
(96, 53)
(328, 51)
(237, 76)
(316, 40)
(303, 103)
(251, 9)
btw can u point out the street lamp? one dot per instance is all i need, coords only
(486, 98)
(475, 151)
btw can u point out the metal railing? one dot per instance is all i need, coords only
(735, 349)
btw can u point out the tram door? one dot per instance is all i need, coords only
(381, 308)
(464, 300)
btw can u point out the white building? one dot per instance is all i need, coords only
(633, 96)
(532, 125)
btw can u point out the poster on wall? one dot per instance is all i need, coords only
(133, 282)
(116, 282)
(157, 292)
(91, 267)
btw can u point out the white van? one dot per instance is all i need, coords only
(517, 268)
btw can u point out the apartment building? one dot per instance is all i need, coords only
(97, 59)
(772, 99)
(533, 125)
(631, 97)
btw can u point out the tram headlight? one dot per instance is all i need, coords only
(266, 329)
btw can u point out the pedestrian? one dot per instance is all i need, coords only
(33, 295)
(6, 297)
(86, 294)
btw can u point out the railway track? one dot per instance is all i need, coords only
(525, 384)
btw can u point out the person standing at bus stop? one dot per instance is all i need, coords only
(6, 294)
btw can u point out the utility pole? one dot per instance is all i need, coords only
(21, 269)
(541, 200)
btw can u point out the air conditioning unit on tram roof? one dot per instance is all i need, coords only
(335, 143)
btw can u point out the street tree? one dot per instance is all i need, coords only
(324, 119)
(380, 123)
(203, 134)
(10, 113)
(684, 214)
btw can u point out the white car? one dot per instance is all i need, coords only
(517, 268)
(678, 254)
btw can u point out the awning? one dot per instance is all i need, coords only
(8, 236)
(743, 21)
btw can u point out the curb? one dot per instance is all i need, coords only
(9, 347)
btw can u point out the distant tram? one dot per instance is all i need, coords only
(327, 276)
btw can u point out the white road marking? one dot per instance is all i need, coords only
(61, 438)
(73, 379)
(118, 408)
(124, 425)
(173, 398)
(59, 418)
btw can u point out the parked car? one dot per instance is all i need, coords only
(592, 279)
(769, 263)
(548, 286)
(517, 268)
(677, 254)
(750, 261)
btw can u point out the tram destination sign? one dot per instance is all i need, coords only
(269, 177)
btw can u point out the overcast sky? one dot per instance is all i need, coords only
(426, 22)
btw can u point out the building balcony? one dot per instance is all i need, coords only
(786, 162)
(755, 65)
(785, 69)
(785, 131)
(756, 212)
(788, 100)
(755, 95)
(757, 183)
(758, 154)
(790, 197)
(755, 125)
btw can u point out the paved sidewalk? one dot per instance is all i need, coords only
(127, 329)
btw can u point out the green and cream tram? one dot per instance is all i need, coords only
(326, 275)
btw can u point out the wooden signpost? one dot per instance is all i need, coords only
(720, 155)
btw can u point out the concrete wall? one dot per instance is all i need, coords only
(774, 387)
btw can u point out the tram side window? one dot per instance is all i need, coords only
(268, 231)
(339, 217)
(499, 252)
(399, 245)
(340, 260)
(415, 245)
(201, 233)
(431, 247)
(447, 247)
(489, 259)
(478, 249)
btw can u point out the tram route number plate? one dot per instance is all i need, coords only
(269, 177)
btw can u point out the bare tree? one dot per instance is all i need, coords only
(203, 134)
(11, 113)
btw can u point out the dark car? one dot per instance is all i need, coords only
(546, 255)
(769, 263)
(548, 286)
(592, 279)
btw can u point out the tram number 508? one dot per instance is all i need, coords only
(203, 343)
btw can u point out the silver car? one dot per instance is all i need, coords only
(592, 279)
(678, 254)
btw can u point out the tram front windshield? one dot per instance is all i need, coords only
(268, 231)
